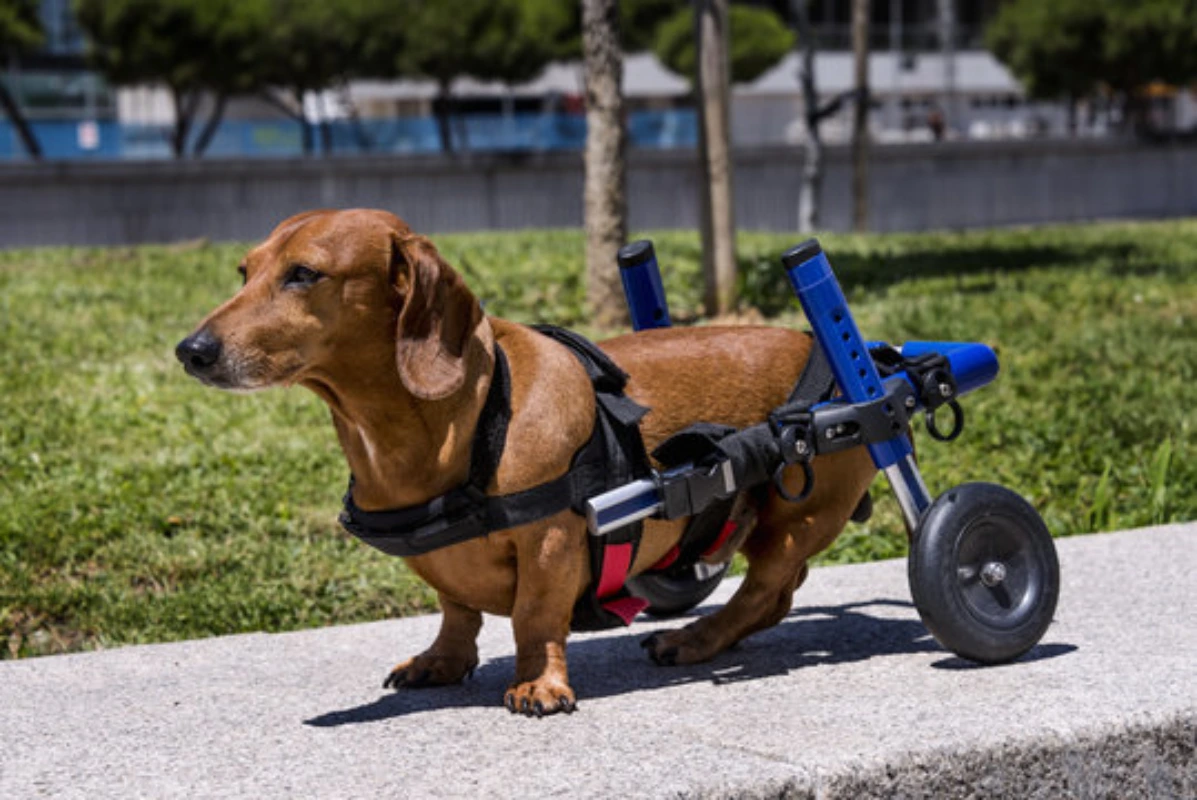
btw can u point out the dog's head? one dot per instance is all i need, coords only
(331, 291)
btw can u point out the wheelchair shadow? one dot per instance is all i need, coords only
(612, 666)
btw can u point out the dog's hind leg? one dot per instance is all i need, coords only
(544, 599)
(785, 537)
(451, 658)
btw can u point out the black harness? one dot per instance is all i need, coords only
(613, 456)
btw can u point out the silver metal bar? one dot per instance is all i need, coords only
(907, 484)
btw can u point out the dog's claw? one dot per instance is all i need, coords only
(525, 707)
(566, 705)
(509, 701)
(538, 709)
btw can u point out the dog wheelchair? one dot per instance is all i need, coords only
(982, 567)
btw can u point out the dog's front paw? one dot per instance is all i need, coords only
(540, 697)
(683, 646)
(430, 669)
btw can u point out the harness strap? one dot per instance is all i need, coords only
(817, 382)
(707, 531)
(614, 455)
(607, 603)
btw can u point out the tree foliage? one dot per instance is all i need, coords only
(1074, 47)
(20, 28)
(191, 46)
(506, 40)
(758, 39)
(642, 18)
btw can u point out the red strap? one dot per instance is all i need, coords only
(626, 608)
(729, 528)
(617, 560)
(667, 559)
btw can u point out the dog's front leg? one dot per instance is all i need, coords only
(550, 572)
(453, 655)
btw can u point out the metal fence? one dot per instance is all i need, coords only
(913, 187)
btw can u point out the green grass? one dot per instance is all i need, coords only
(137, 506)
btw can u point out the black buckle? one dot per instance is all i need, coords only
(687, 492)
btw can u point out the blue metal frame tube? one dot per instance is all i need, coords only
(835, 330)
(641, 278)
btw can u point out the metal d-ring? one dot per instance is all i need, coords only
(808, 482)
(957, 423)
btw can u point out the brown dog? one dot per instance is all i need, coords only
(357, 308)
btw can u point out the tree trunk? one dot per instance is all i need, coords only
(605, 196)
(440, 109)
(305, 127)
(24, 131)
(211, 126)
(947, 44)
(326, 141)
(186, 105)
(714, 145)
(860, 116)
(361, 136)
(812, 170)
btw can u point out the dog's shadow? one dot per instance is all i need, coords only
(609, 666)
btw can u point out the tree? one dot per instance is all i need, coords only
(605, 196)
(860, 116)
(758, 39)
(191, 46)
(1053, 48)
(714, 155)
(310, 45)
(507, 40)
(20, 30)
(641, 19)
(714, 44)
(812, 170)
(1074, 48)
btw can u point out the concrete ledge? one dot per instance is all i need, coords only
(846, 698)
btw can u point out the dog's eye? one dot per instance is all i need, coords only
(299, 276)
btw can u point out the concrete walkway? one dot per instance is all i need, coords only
(848, 697)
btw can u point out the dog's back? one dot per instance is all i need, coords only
(729, 375)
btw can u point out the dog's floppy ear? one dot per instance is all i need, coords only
(437, 320)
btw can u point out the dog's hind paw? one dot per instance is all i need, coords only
(428, 669)
(540, 698)
(682, 646)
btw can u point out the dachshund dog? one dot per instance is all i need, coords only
(365, 313)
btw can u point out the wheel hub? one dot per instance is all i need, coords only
(993, 573)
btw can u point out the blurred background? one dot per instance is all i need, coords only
(1018, 172)
(469, 114)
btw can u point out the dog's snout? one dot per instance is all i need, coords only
(199, 351)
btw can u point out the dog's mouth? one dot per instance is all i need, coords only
(230, 376)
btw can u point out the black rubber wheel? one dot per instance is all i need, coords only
(675, 592)
(983, 573)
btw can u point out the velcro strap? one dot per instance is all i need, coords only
(626, 608)
(725, 533)
(667, 560)
(617, 560)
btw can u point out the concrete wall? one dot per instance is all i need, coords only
(913, 187)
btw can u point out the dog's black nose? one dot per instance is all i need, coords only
(198, 351)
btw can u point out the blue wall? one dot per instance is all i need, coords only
(531, 132)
